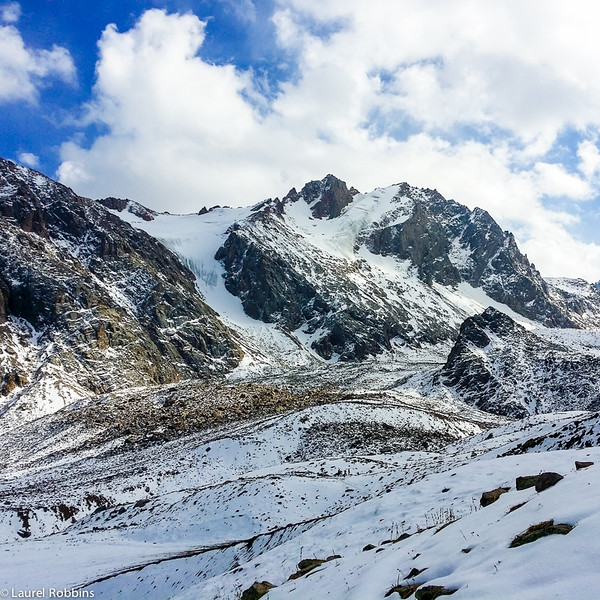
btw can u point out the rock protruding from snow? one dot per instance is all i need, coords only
(136, 209)
(326, 198)
(499, 366)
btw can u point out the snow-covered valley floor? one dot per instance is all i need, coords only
(207, 515)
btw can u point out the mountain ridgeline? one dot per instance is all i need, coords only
(95, 296)
(281, 276)
(89, 304)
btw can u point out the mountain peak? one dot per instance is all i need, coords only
(327, 197)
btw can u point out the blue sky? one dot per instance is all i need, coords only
(180, 104)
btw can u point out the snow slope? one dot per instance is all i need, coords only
(217, 514)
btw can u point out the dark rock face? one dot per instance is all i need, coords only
(269, 290)
(326, 198)
(422, 240)
(120, 204)
(448, 244)
(88, 294)
(499, 366)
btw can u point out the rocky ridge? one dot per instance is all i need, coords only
(284, 274)
(88, 304)
(499, 366)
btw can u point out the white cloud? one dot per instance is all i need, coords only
(385, 96)
(589, 157)
(29, 159)
(24, 69)
(554, 180)
(10, 12)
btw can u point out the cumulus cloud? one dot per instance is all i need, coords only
(23, 69)
(457, 96)
(29, 159)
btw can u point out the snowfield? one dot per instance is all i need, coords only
(215, 514)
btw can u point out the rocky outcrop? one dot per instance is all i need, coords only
(327, 198)
(269, 288)
(499, 366)
(89, 304)
(120, 205)
(448, 243)
(577, 298)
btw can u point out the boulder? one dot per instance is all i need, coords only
(526, 481)
(541, 482)
(535, 532)
(490, 497)
(431, 592)
(546, 480)
(257, 590)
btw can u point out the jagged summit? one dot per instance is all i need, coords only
(326, 198)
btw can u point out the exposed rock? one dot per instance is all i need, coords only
(369, 547)
(546, 480)
(481, 369)
(535, 532)
(326, 198)
(92, 301)
(120, 204)
(431, 592)
(583, 464)
(404, 591)
(516, 507)
(526, 481)
(306, 565)
(414, 572)
(257, 590)
(577, 298)
(490, 497)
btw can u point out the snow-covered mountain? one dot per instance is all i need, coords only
(305, 398)
(346, 275)
(89, 304)
(323, 277)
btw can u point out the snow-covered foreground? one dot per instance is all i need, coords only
(208, 517)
